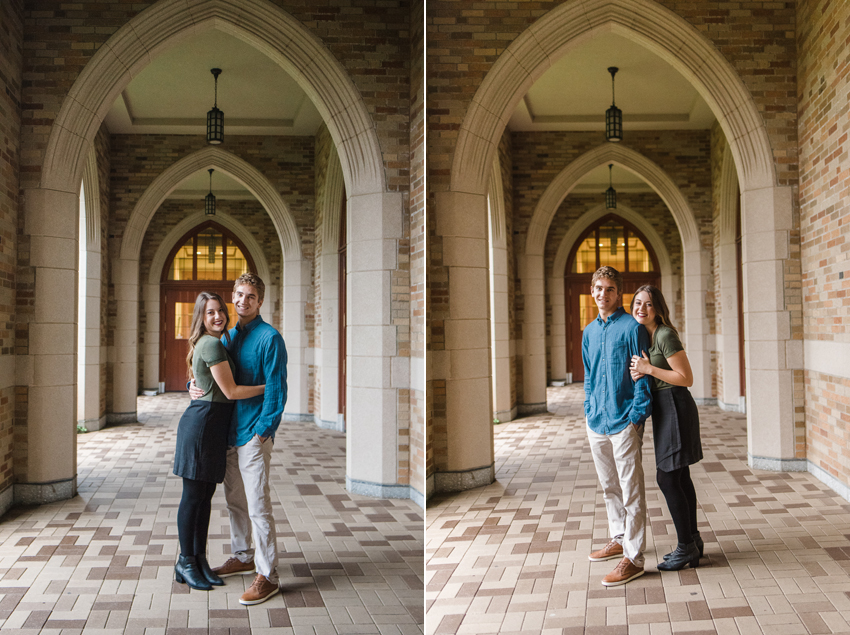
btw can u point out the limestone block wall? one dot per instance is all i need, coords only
(11, 41)
(823, 89)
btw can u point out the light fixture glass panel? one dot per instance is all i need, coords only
(639, 259)
(611, 246)
(181, 266)
(209, 255)
(585, 260)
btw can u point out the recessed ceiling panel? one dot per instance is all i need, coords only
(197, 186)
(173, 94)
(576, 91)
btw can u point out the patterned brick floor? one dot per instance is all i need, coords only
(512, 557)
(103, 561)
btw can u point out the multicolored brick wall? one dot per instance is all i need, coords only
(416, 189)
(823, 30)
(11, 42)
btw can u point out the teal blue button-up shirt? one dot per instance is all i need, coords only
(259, 353)
(611, 399)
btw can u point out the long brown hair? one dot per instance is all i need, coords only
(198, 329)
(662, 313)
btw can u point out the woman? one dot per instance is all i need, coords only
(202, 437)
(675, 422)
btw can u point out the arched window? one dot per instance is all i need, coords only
(208, 252)
(613, 242)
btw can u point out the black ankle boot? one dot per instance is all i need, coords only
(684, 555)
(700, 545)
(186, 571)
(207, 572)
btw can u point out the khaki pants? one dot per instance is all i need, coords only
(246, 490)
(618, 460)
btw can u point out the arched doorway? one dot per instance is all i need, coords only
(610, 241)
(207, 258)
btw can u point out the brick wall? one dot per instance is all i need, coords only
(823, 90)
(416, 189)
(506, 165)
(101, 144)
(11, 40)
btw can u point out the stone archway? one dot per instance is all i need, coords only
(555, 281)
(51, 211)
(295, 292)
(695, 266)
(461, 213)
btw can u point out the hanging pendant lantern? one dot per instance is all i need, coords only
(209, 200)
(610, 193)
(613, 116)
(215, 117)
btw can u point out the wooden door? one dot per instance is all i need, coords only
(178, 303)
(581, 311)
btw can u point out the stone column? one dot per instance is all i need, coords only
(695, 269)
(150, 355)
(500, 332)
(125, 352)
(727, 341)
(771, 354)
(49, 369)
(296, 287)
(533, 334)
(465, 362)
(329, 414)
(558, 337)
(374, 371)
(91, 417)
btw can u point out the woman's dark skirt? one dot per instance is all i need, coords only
(675, 429)
(201, 452)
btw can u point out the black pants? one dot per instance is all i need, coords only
(678, 490)
(193, 517)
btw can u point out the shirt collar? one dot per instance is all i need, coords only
(611, 318)
(250, 326)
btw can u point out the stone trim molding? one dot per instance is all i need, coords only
(233, 166)
(332, 205)
(496, 197)
(378, 490)
(115, 418)
(645, 22)
(842, 489)
(531, 408)
(91, 187)
(259, 23)
(826, 357)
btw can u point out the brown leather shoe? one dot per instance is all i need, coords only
(612, 550)
(234, 566)
(260, 590)
(622, 573)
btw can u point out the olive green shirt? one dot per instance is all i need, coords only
(209, 351)
(665, 344)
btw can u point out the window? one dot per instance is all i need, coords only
(613, 243)
(209, 252)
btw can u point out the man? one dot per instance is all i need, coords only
(259, 353)
(616, 409)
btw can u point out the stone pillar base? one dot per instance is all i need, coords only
(115, 418)
(7, 499)
(531, 408)
(505, 415)
(777, 465)
(93, 425)
(467, 479)
(42, 493)
(337, 425)
(377, 490)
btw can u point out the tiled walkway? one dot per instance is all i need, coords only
(103, 561)
(512, 557)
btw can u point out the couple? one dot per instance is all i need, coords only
(623, 385)
(219, 442)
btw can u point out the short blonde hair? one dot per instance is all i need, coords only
(255, 281)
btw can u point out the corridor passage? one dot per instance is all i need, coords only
(103, 561)
(512, 557)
